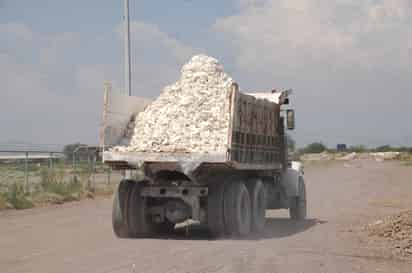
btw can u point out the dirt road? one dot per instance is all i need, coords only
(342, 197)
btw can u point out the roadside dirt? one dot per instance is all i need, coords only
(396, 229)
(343, 198)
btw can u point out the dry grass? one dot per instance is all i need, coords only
(16, 198)
(407, 163)
(54, 186)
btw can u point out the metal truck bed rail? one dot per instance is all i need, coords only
(129, 160)
(134, 158)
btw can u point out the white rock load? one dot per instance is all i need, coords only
(191, 115)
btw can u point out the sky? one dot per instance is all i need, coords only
(349, 62)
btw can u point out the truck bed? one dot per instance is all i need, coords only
(254, 136)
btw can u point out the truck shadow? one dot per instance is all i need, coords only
(284, 227)
(275, 228)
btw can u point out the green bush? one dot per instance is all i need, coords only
(384, 148)
(388, 148)
(3, 202)
(358, 149)
(315, 148)
(17, 198)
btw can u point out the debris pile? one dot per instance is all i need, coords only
(317, 156)
(348, 157)
(397, 229)
(325, 156)
(379, 157)
(382, 156)
(191, 115)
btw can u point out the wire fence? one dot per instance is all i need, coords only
(33, 173)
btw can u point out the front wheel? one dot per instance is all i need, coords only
(298, 208)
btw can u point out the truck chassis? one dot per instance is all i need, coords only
(227, 202)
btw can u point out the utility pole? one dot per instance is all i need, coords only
(127, 70)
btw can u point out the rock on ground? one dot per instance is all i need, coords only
(397, 229)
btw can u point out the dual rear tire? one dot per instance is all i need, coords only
(236, 208)
(140, 224)
(120, 209)
(258, 200)
(129, 217)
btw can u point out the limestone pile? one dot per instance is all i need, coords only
(191, 115)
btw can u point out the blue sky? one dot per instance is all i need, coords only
(182, 19)
(349, 62)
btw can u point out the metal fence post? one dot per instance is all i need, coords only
(108, 176)
(74, 166)
(93, 172)
(26, 173)
(51, 161)
(88, 159)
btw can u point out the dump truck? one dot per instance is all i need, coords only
(228, 192)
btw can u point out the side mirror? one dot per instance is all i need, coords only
(290, 119)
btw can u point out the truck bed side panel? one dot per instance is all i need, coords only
(254, 139)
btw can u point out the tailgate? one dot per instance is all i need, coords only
(117, 112)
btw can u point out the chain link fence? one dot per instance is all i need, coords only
(29, 178)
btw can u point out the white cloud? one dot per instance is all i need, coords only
(156, 58)
(349, 32)
(17, 30)
(57, 46)
(349, 61)
(52, 82)
(152, 36)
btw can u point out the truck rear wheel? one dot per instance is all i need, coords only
(215, 219)
(119, 210)
(138, 220)
(258, 204)
(237, 208)
(298, 209)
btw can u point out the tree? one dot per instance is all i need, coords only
(358, 149)
(385, 148)
(315, 148)
(70, 148)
